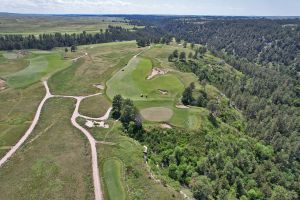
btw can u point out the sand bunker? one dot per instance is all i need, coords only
(166, 126)
(155, 72)
(2, 84)
(91, 124)
(163, 92)
(99, 86)
(182, 106)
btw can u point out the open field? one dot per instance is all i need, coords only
(95, 106)
(25, 25)
(53, 164)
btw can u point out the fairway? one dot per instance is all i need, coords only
(157, 114)
(39, 67)
(112, 170)
(131, 82)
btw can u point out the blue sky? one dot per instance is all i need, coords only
(192, 7)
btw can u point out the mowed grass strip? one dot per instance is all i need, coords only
(131, 82)
(157, 114)
(112, 172)
(54, 163)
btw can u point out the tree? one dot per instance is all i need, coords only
(182, 57)
(117, 106)
(66, 50)
(190, 55)
(192, 45)
(213, 119)
(184, 44)
(128, 113)
(170, 58)
(73, 48)
(178, 40)
(175, 53)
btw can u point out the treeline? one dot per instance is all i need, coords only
(49, 41)
(258, 40)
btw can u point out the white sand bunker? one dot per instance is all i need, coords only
(182, 106)
(92, 124)
(155, 72)
(163, 92)
(157, 114)
(2, 84)
(166, 126)
(99, 86)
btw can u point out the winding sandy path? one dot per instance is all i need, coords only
(12, 151)
(96, 178)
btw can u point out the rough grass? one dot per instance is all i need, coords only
(157, 114)
(113, 179)
(103, 61)
(17, 109)
(95, 106)
(54, 163)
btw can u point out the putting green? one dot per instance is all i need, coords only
(131, 82)
(157, 114)
(112, 169)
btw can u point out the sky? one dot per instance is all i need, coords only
(166, 7)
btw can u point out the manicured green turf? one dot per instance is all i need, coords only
(113, 175)
(132, 82)
(54, 163)
(40, 66)
(157, 114)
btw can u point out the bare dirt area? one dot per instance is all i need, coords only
(156, 72)
(99, 86)
(2, 85)
(182, 106)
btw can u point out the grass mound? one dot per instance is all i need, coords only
(157, 114)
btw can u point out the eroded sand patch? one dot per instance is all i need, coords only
(92, 124)
(2, 85)
(155, 72)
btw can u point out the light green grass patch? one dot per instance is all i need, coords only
(131, 82)
(39, 67)
(157, 114)
(112, 172)
(11, 55)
